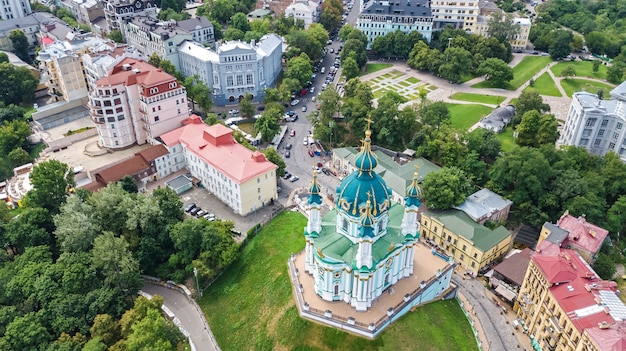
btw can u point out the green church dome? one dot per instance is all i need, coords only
(364, 185)
(413, 192)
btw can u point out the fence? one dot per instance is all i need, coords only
(56, 145)
(471, 321)
(184, 290)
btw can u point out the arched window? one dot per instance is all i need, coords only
(336, 291)
(344, 224)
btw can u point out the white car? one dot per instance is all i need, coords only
(312, 90)
(233, 112)
(295, 102)
(305, 141)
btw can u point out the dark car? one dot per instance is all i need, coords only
(195, 211)
(311, 153)
(190, 207)
(534, 53)
(260, 108)
(325, 171)
(288, 147)
(287, 154)
(287, 175)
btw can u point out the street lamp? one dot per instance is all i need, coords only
(330, 125)
(195, 273)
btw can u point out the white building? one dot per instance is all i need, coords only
(236, 68)
(518, 42)
(201, 30)
(12, 9)
(306, 10)
(597, 125)
(30, 25)
(378, 18)
(242, 179)
(461, 15)
(117, 12)
(136, 103)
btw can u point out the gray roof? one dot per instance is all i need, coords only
(393, 8)
(153, 25)
(268, 43)
(259, 13)
(557, 234)
(619, 92)
(608, 107)
(483, 203)
(192, 24)
(178, 182)
(27, 21)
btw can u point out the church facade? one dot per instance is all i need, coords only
(364, 246)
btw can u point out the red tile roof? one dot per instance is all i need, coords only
(148, 75)
(612, 338)
(582, 233)
(216, 146)
(575, 287)
(131, 166)
(152, 153)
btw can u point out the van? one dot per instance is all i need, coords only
(323, 70)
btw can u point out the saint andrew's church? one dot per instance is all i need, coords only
(364, 246)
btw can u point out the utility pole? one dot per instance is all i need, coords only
(330, 125)
(195, 273)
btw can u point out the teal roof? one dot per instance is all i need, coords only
(461, 224)
(314, 191)
(365, 160)
(357, 188)
(338, 247)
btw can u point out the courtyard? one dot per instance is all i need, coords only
(407, 86)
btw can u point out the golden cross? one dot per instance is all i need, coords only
(416, 169)
(369, 195)
(369, 121)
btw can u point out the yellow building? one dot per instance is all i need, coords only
(472, 245)
(563, 305)
(461, 15)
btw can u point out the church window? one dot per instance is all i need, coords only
(336, 292)
(389, 263)
(344, 224)
(337, 275)
(380, 226)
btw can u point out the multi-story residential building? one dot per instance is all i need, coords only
(377, 18)
(472, 245)
(149, 35)
(518, 41)
(242, 179)
(565, 306)
(597, 124)
(307, 11)
(201, 30)
(236, 68)
(485, 205)
(100, 60)
(136, 103)
(117, 12)
(65, 75)
(145, 166)
(12, 9)
(85, 11)
(461, 15)
(575, 233)
(29, 24)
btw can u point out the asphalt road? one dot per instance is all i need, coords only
(187, 314)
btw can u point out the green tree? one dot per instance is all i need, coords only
(604, 266)
(27, 333)
(4, 57)
(106, 329)
(268, 123)
(300, 69)
(350, 68)
(329, 104)
(20, 45)
(13, 135)
(568, 71)
(537, 129)
(240, 21)
(51, 181)
(495, 71)
(19, 157)
(176, 5)
(129, 184)
(614, 73)
(18, 84)
(616, 216)
(435, 114)
(169, 14)
(456, 62)
(75, 227)
(198, 92)
(272, 155)
(112, 258)
(502, 26)
(116, 36)
(330, 17)
(151, 332)
(445, 189)
(528, 100)
(186, 237)
(245, 106)
(560, 47)
(356, 49)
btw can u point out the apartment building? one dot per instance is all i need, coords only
(564, 305)
(305, 10)
(12, 9)
(29, 24)
(485, 205)
(377, 18)
(597, 124)
(100, 59)
(461, 14)
(472, 245)
(117, 12)
(65, 75)
(136, 103)
(518, 41)
(242, 179)
(575, 233)
(235, 68)
(85, 11)
(201, 30)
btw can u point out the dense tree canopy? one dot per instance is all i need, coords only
(445, 189)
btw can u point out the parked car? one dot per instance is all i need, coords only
(311, 153)
(290, 112)
(303, 108)
(288, 146)
(292, 133)
(260, 108)
(294, 178)
(312, 90)
(209, 217)
(287, 154)
(194, 211)
(295, 102)
(190, 207)
(233, 112)
(201, 213)
(325, 171)
(287, 175)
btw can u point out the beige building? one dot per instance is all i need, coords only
(242, 179)
(472, 245)
(564, 305)
(65, 74)
(461, 15)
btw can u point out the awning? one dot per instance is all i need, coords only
(489, 274)
(506, 293)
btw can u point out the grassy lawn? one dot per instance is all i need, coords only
(572, 86)
(251, 307)
(485, 99)
(545, 85)
(582, 68)
(506, 137)
(373, 67)
(378, 93)
(404, 83)
(412, 80)
(247, 127)
(466, 115)
(523, 72)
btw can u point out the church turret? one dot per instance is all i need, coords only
(314, 202)
(410, 225)
(364, 252)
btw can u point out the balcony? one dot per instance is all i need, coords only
(557, 329)
(97, 120)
